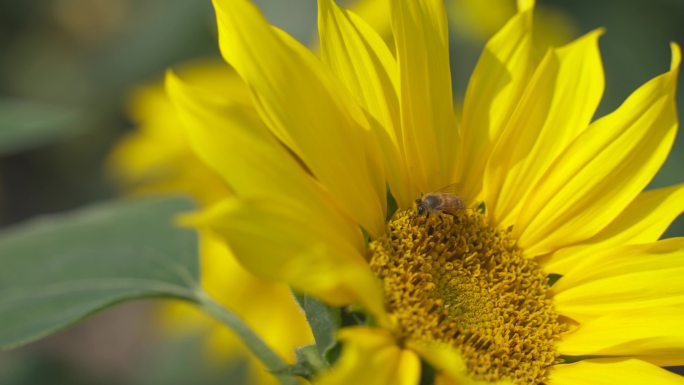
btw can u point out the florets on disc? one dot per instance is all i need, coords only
(455, 279)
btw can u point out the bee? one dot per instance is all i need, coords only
(440, 202)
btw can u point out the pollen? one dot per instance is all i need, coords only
(458, 280)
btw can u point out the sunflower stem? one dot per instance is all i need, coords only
(254, 343)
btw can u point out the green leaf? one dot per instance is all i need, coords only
(323, 320)
(26, 124)
(56, 270)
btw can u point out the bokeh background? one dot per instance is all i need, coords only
(67, 67)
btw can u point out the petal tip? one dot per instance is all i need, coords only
(598, 32)
(676, 56)
(171, 79)
(525, 5)
(591, 37)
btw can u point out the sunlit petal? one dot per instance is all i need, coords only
(602, 171)
(630, 278)
(556, 106)
(304, 107)
(429, 131)
(359, 56)
(372, 357)
(494, 89)
(643, 221)
(655, 335)
(607, 372)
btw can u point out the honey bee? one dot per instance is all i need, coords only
(440, 202)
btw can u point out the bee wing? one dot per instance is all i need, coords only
(452, 188)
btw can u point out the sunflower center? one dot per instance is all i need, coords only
(460, 281)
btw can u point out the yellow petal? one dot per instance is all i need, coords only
(503, 70)
(242, 150)
(429, 131)
(372, 357)
(232, 140)
(306, 109)
(631, 278)
(358, 56)
(525, 5)
(361, 59)
(268, 308)
(612, 372)
(554, 109)
(653, 335)
(159, 138)
(375, 12)
(643, 221)
(282, 240)
(602, 171)
(451, 366)
(156, 157)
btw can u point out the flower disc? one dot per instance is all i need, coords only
(458, 280)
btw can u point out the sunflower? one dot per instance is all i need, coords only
(546, 268)
(156, 158)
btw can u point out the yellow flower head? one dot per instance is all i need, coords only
(523, 249)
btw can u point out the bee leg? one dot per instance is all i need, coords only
(454, 217)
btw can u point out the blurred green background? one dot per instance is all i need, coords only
(66, 68)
